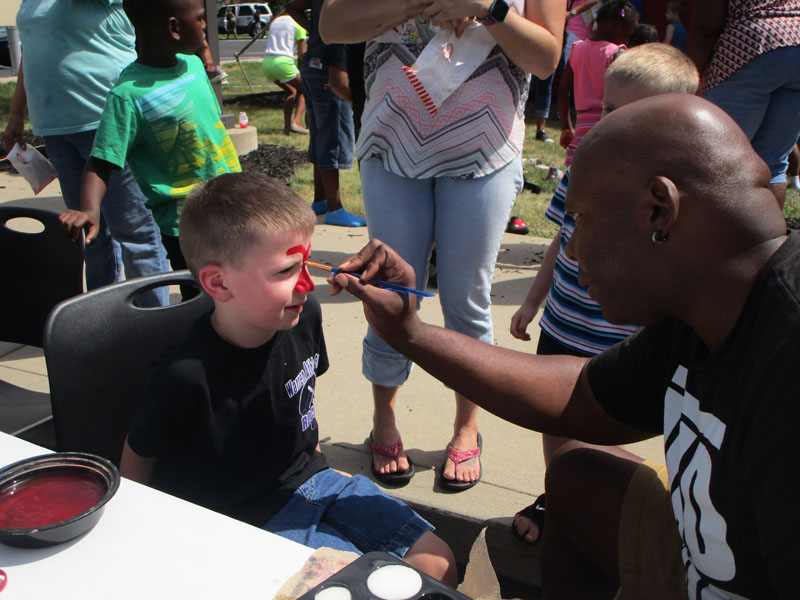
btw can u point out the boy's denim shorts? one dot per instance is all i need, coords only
(347, 513)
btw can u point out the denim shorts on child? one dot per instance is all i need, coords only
(330, 120)
(347, 513)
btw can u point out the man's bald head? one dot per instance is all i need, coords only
(666, 190)
(694, 144)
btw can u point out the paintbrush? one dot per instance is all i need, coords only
(386, 285)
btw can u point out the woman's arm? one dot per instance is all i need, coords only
(532, 41)
(350, 21)
(16, 118)
(581, 9)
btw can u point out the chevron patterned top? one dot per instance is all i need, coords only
(478, 129)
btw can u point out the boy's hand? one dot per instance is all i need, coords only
(72, 221)
(566, 137)
(392, 315)
(521, 320)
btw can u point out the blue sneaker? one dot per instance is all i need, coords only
(344, 219)
(320, 208)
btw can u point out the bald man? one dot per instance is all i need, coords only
(680, 233)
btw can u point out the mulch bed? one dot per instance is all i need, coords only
(276, 161)
(260, 100)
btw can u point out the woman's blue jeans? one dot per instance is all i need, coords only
(466, 219)
(763, 97)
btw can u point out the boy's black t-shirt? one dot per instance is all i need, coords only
(234, 429)
(731, 424)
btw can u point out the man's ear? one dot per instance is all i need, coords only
(212, 278)
(664, 204)
(174, 28)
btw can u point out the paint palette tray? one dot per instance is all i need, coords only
(381, 576)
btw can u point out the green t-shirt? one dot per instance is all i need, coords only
(165, 123)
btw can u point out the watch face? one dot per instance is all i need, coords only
(499, 10)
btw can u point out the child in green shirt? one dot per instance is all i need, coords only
(162, 117)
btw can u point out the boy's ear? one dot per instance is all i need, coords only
(174, 28)
(664, 204)
(212, 278)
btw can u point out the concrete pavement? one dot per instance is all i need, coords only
(513, 469)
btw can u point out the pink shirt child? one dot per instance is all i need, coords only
(589, 61)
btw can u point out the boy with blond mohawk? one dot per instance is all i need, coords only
(228, 416)
(572, 322)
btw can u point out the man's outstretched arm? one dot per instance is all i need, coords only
(550, 394)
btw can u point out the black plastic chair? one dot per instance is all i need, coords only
(99, 348)
(39, 270)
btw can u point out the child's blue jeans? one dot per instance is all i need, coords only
(128, 232)
(347, 513)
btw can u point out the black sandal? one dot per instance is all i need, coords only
(535, 512)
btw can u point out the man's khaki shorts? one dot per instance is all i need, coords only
(650, 564)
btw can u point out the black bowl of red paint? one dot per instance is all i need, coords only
(53, 498)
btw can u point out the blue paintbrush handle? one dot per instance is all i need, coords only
(388, 285)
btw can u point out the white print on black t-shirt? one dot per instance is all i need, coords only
(691, 438)
(304, 384)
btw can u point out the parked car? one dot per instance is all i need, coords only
(250, 18)
(5, 55)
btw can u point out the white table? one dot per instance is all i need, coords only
(148, 544)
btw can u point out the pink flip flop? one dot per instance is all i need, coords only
(459, 456)
(398, 477)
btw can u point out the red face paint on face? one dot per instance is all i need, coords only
(304, 283)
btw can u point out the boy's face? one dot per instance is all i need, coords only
(269, 289)
(672, 16)
(191, 17)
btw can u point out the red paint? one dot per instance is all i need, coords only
(304, 282)
(48, 498)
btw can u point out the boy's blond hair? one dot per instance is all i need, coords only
(660, 67)
(224, 218)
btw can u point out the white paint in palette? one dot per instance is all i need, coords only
(394, 582)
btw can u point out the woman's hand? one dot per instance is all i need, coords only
(13, 133)
(456, 12)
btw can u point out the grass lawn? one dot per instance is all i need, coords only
(269, 123)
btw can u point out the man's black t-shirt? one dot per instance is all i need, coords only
(234, 429)
(731, 425)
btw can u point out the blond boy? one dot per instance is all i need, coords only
(228, 416)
